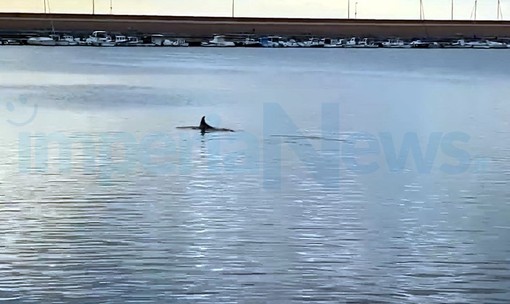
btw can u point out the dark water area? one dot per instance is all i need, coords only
(354, 176)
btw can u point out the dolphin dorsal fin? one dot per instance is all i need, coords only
(203, 124)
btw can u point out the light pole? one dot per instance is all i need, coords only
(348, 9)
(44, 1)
(233, 8)
(111, 7)
(356, 10)
(93, 7)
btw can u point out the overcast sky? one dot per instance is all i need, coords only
(407, 9)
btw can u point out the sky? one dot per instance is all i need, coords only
(378, 9)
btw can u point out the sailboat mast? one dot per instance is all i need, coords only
(47, 5)
(476, 7)
(422, 14)
(452, 9)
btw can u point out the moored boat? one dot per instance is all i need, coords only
(331, 43)
(120, 39)
(292, 43)
(360, 44)
(64, 40)
(459, 44)
(219, 41)
(395, 43)
(313, 42)
(478, 44)
(100, 38)
(419, 44)
(272, 41)
(175, 43)
(352, 43)
(366, 44)
(42, 41)
(496, 45)
(133, 41)
(251, 42)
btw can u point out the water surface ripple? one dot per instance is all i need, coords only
(105, 201)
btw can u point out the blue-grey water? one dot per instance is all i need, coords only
(312, 199)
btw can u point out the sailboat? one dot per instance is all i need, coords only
(64, 40)
(53, 39)
(42, 41)
(60, 40)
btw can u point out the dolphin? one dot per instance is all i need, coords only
(204, 127)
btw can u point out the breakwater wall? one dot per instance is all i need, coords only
(207, 26)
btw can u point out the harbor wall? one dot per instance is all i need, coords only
(207, 26)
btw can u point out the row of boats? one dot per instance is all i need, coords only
(103, 39)
(354, 42)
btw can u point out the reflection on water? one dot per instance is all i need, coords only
(104, 200)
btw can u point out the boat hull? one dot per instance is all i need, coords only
(41, 42)
(217, 45)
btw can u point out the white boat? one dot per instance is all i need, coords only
(219, 41)
(331, 43)
(365, 44)
(120, 39)
(419, 44)
(351, 43)
(100, 38)
(250, 42)
(181, 42)
(313, 42)
(394, 43)
(496, 45)
(158, 39)
(459, 44)
(176, 43)
(11, 42)
(70, 40)
(292, 43)
(362, 44)
(272, 41)
(44, 41)
(132, 41)
(64, 40)
(478, 44)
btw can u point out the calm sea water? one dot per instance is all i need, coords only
(354, 176)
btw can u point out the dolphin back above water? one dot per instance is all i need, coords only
(204, 127)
